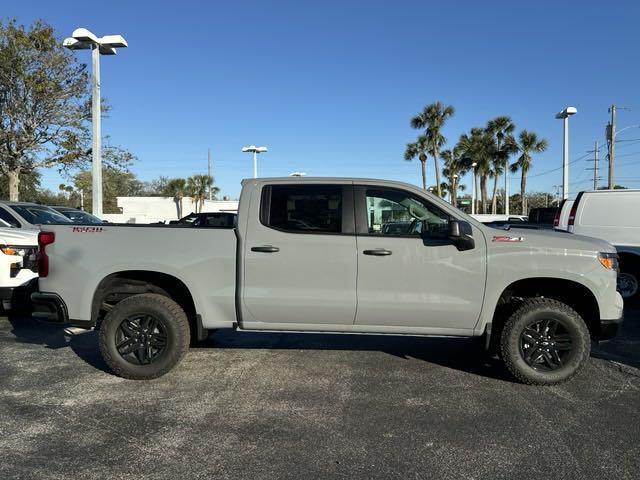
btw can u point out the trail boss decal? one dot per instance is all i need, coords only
(86, 229)
(506, 238)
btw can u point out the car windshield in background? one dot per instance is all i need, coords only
(38, 215)
(78, 216)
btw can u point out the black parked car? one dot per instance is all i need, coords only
(207, 219)
(77, 215)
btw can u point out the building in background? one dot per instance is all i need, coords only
(163, 209)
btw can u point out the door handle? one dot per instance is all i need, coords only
(265, 249)
(378, 252)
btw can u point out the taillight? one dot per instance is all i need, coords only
(44, 239)
(572, 213)
(556, 219)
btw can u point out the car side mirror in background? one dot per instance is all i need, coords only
(460, 235)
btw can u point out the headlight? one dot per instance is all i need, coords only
(609, 260)
(7, 250)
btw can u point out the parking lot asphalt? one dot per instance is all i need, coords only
(252, 406)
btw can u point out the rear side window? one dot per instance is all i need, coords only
(303, 208)
(10, 219)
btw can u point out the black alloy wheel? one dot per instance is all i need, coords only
(546, 345)
(141, 339)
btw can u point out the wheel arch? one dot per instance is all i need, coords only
(117, 286)
(572, 293)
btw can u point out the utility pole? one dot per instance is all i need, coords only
(596, 152)
(611, 137)
(595, 166)
(209, 172)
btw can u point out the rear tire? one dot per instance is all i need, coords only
(545, 342)
(144, 336)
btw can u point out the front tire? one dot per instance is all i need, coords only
(144, 336)
(545, 342)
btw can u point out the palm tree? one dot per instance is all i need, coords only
(432, 119)
(454, 168)
(501, 130)
(198, 186)
(476, 147)
(418, 149)
(528, 143)
(176, 188)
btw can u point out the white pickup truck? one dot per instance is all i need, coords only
(333, 255)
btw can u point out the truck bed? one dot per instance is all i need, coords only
(204, 259)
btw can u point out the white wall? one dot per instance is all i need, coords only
(157, 209)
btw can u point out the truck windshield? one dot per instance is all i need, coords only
(38, 215)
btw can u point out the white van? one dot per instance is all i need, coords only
(614, 216)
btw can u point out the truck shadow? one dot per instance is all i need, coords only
(459, 354)
(456, 353)
(84, 345)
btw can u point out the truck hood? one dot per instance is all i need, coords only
(553, 239)
(22, 237)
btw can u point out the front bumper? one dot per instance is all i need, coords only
(18, 296)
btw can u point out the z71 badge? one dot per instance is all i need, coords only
(506, 238)
(86, 229)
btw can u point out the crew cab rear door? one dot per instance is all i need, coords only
(300, 257)
(411, 276)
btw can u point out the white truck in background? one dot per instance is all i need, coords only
(18, 249)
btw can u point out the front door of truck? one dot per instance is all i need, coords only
(300, 258)
(410, 274)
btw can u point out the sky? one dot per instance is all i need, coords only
(330, 86)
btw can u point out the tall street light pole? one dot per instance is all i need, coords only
(255, 150)
(564, 115)
(83, 39)
(473, 189)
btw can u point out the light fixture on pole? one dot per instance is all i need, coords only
(255, 150)
(83, 39)
(564, 116)
(473, 189)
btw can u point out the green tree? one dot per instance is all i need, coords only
(44, 95)
(176, 188)
(477, 147)
(528, 143)
(115, 183)
(432, 119)
(44, 106)
(453, 168)
(501, 131)
(198, 186)
(418, 149)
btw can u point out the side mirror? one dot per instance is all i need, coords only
(460, 235)
(454, 229)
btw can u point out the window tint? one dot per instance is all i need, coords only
(8, 218)
(305, 208)
(398, 213)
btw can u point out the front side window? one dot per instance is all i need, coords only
(398, 213)
(304, 208)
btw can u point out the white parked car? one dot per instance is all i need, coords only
(18, 248)
(614, 216)
(19, 225)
